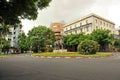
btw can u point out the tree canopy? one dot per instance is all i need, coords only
(23, 42)
(71, 41)
(103, 37)
(3, 32)
(11, 11)
(39, 37)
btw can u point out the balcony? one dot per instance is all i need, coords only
(10, 29)
(9, 36)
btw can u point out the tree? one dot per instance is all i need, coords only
(40, 37)
(71, 41)
(117, 43)
(11, 11)
(103, 37)
(23, 42)
(5, 46)
(3, 32)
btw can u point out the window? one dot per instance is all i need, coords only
(70, 27)
(13, 37)
(81, 30)
(75, 25)
(66, 29)
(86, 21)
(80, 24)
(107, 24)
(110, 26)
(104, 23)
(9, 39)
(96, 27)
(87, 28)
(14, 28)
(54, 26)
(75, 31)
(113, 26)
(14, 32)
(101, 22)
(96, 20)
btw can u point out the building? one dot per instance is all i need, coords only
(57, 28)
(13, 37)
(89, 23)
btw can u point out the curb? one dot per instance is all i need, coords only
(72, 57)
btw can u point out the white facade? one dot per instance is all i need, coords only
(13, 36)
(89, 23)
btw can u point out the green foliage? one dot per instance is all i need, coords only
(39, 37)
(3, 32)
(13, 10)
(23, 42)
(88, 47)
(5, 45)
(50, 49)
(117, 43)
(103, 37)
(71, 41)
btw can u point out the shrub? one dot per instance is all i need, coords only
(88, 47)
(42, 49)
(50, 49)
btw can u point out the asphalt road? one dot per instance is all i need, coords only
(25, 67)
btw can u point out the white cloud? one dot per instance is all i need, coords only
(69, 10)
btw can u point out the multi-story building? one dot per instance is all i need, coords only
(57, 28)
(13, 36)
(89, 23)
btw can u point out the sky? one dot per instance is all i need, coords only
(70, 10)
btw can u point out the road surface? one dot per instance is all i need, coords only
(26, 67)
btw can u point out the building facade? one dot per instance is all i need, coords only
(57, 28)
(15, 31)
(89, 23)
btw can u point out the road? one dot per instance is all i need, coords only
(26, 67)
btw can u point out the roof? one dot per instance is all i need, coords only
(89, 15)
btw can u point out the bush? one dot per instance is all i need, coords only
(88, 47)
(42, 49)
(50, 49)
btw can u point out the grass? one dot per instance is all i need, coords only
(72, 54)
(4, 55)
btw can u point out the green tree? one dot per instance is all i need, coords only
(71, 41)
(40, 37)
(5, 46)
(3, 32)
(23, 42)
(12, 11)
(103, 37)
(117, 43)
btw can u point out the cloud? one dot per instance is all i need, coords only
(69, 10)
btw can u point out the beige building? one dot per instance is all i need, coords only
(89, 23)
(57, 28)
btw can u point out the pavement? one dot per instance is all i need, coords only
(26, 67)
